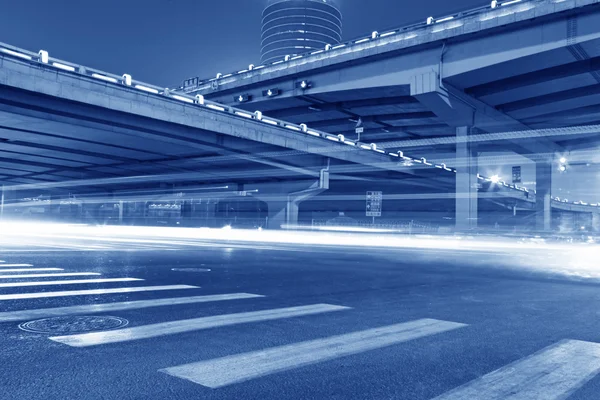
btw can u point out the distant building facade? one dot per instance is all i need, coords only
(292, 27)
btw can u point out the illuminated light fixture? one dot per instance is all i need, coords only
(293, 127)
(199, 99)
(562, 168)
(494, 4)
(242, 71)
(424, 160)
(393, 154)
(43, 55)
(304, 128)
(495, 179)
(362, 40)
(243, 114)
(286, 58)
(313, 108)
(270, 121)
(182, 98)
(304, 85)
(444, 19)
(508, 3)
(430, 20)
(215, 107)
(271, 92)
(146, 89)
(328, 47)
(243, 98)
(296, 57)
(219, 76)
(250, 67)
(313, 133)
(63, 67)
(480, 177)
(379, 151)
(563, 160)
(16, 54)
(105, 78)
(387, 34)
(373, 146)
(342, 138)
(278, 62)
(374, 35)
(339, 46)
(332, 138)
(227, 75)
(259, 67)
(439, 166)
(401, 154)
(258, 115)
(126, 79)
(365, 146)
(317, 52)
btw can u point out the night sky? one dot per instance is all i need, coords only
(164, 41)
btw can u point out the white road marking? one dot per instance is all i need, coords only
(242, 367)
(48, 275)
(72, 282)
(19, 296)
(29, 269)
(551, 374)
(126, 305)
(15, 265)
(188, 325)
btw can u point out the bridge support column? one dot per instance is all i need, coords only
(595, 222)
(543, 200)
(466, 180)
(284, 205)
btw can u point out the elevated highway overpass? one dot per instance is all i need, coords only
(507, 67)
(63, 125)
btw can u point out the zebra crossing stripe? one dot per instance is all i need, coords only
(15, 265)
(242, 367)
(29, 270)
(189, 325)
(120, 306)
(41, 295)
(551, 374)
(71, 282)
(25, 276)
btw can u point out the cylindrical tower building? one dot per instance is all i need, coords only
(292, 27)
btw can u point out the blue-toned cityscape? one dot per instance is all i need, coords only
(413, 213)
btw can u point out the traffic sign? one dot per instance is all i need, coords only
(374, 203)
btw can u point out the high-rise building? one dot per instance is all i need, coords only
(292, 27)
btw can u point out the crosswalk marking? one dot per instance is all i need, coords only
(71, 282)
(551, 374)
(15, 265)
(188, 325)
(20, 296)
(242, 367)
(48, 275)
(29, 270)
(126, 305)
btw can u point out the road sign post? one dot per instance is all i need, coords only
(374, 203)
(359, 131)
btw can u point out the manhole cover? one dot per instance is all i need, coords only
(191, 269)
(73, 324)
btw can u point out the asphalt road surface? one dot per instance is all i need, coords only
(219, 321)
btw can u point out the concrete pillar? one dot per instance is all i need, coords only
(284, 205)
(567, 222)
(543, 201)
(595, 222)
(466, 181)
